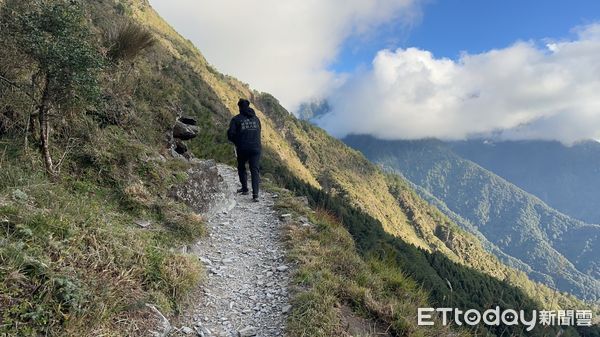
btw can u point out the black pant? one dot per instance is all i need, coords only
(253, 157)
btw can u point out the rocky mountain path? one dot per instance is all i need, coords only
(245, 292)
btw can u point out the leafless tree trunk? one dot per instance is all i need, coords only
(45, 130)
(30, 126)
(26, 141)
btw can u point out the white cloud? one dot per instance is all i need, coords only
(522, 92)
(280, 46)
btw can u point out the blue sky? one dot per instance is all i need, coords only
(449, 27)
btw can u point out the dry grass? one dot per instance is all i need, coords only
(137, 193)
(332, 275)
(126, 40)
(183, 222)
(181, 274)
(73, 263)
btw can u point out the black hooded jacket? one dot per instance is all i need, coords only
(244, 130)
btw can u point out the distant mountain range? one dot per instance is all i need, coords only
(520, 228)
(567, 178)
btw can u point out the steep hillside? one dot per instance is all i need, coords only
(387, 206)
(75, 263)
(567, 178)
(561, 251)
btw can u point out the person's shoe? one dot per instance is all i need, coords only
(255, 198)
(242, 191)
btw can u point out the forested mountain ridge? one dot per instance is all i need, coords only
(567, 178)
(73, 263)
(561, 251)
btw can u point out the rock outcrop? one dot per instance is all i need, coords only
(205, 190)
(185, 128)
(185, 131)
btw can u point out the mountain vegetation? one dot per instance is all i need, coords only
(73, 183)
(447, 283)
(558, 250)
(567, 178)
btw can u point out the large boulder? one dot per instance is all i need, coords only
(205, 190)
(184, 131)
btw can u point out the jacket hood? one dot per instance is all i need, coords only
(249, 112)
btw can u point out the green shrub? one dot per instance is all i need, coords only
(52, 38)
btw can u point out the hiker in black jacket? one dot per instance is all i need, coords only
(244, 132)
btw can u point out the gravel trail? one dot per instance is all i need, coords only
(245, 292)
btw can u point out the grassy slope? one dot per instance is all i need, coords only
(332, 274)
(72, 260)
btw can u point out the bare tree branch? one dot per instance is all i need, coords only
(70, 146)
(17, 86)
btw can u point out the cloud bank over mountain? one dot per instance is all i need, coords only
(524, 91)
(283, 47)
